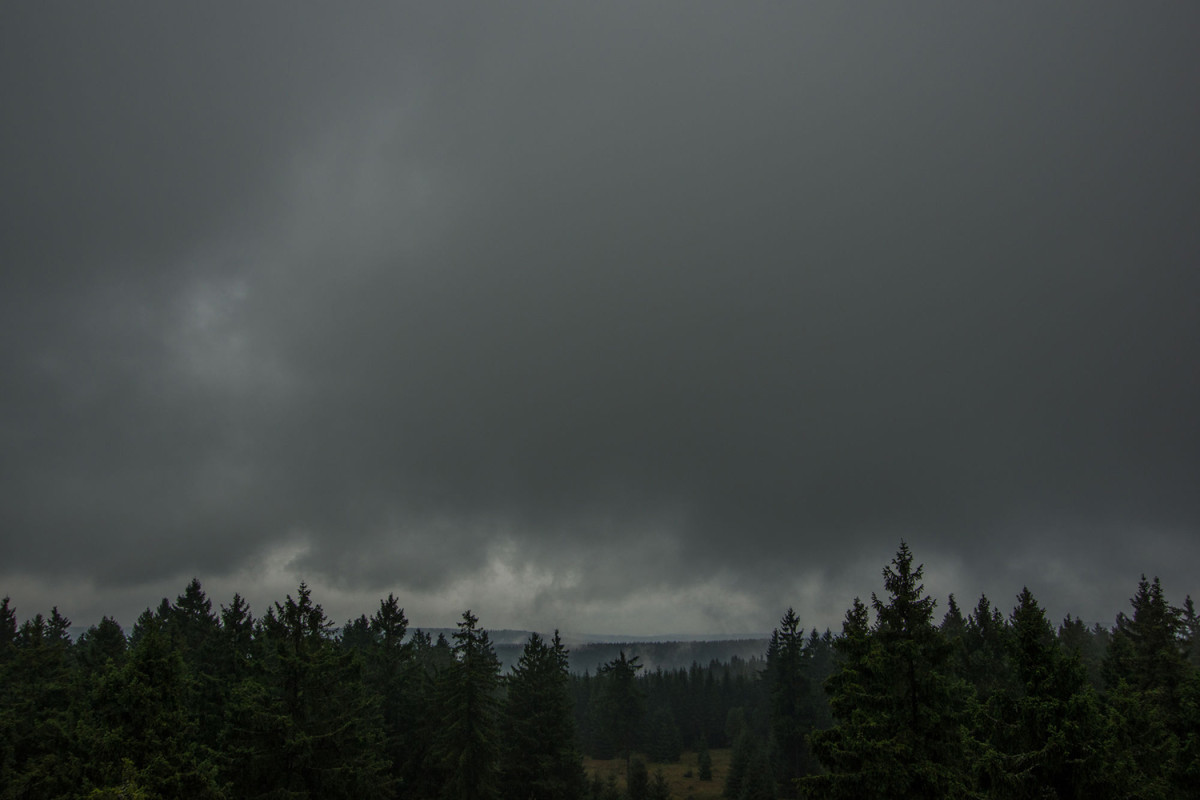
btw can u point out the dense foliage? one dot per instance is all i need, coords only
(197, 703)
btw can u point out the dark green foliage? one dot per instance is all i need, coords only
(902, 717)
(746, 749)
(99, 645)
(1190, 624)
(466, 746)
(144, 724)
(394, 676)
(1088, 644)
(8, 630)
(751, 776)
(1145, 651)
(41, 755)
(196, 705)
(662, 741)
(1044, 735)
(621, 704)
(237, 642)
(791, 714)
(821, 660)
(758, 782)
(984, 655)
(302, 724)
(540, 757)
(1151, 697)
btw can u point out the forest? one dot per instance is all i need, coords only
(197, 702)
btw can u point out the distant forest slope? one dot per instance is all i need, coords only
(587, 653)
(653, 655)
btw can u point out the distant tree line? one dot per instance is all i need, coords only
(197, 703)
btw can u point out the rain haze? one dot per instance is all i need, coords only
(634, 318)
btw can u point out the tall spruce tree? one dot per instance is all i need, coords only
(303, 726)
(390, 674)
(421, 776)
(791, 712)
(540, 758)
(144, 724)
(902, 717)
(99, 645)
(1147, 680)
(621, 704)
(466, 745)
(40, 753)
(1045, 735)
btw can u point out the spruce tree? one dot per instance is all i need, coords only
(791, 713)
(466, 744)
(303, 724)
(902, 717)
(391, 674)
(621, 704)
(1147, 679)
(1190, 623)
(144, 724)
(663, 742)
(540, 758)
(40, 752)
(99, 645)
(1045, 736)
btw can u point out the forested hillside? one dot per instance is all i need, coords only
(197, 702)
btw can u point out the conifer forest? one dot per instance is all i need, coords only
(911, 698)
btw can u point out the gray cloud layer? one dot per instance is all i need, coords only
(541, 307)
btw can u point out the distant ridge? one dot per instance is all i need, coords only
(665, 651)
(510, 636)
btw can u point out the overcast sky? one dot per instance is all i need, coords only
(613, 317)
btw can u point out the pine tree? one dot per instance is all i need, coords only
(985, 653)
(143, 724)
(99, 645)
(391, 674)
(1145, 650)
(620, 704)
(820, 654)
(40, 754)
(663, 742)
(237, 642)
(902, 718)
(788, 686)
(421, 775)
(195, 633)
(466, 743)
(540, 758)
(1046, 735)
(1190, 623)
(1147, 680)
(8, 630)
(302, 723)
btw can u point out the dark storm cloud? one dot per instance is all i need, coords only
(572, 302)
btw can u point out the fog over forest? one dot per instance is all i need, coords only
(623, 319)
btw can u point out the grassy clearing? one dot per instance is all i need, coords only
(682, 787)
